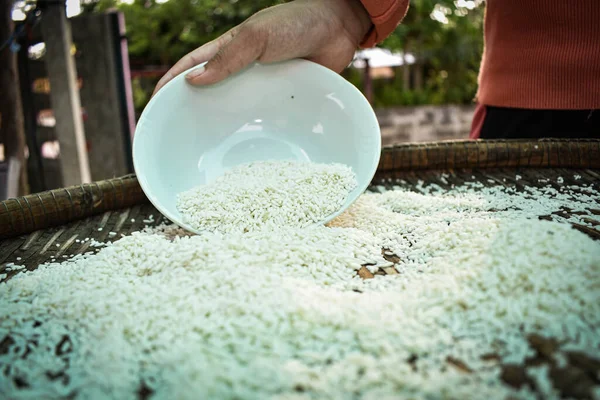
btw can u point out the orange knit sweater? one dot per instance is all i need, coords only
(539, 54)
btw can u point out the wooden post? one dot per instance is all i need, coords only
(35, 167)
(64, 94)
(368, 82)
(108, 132)
(418, 66)
(12, 134)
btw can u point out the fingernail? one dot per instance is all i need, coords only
(195, 73)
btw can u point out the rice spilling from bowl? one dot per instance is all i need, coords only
(283, 314)
(266, 195)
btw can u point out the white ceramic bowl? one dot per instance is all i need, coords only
(187, 136)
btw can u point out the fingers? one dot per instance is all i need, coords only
(246, 47)
(196, 57)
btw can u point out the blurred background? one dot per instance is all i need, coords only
(75, 76)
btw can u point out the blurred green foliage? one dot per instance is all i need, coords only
(445, 36)
(163, 32)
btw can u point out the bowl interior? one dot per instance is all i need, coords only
(188, 136)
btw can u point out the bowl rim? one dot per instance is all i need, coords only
(350, 199)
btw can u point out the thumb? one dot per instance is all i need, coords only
(246, 47)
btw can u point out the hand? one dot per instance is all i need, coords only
(327, 32)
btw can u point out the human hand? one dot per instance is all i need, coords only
(324, 31)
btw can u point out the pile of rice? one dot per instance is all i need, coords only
(266, 195)
(283, 315)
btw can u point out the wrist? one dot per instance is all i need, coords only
(363, 18)
(354, 18)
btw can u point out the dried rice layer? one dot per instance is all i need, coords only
(283, 315)
(267, 195)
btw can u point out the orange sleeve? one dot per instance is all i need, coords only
(385, 15)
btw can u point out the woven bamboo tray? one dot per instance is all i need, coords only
(37, 228)
(119, 205)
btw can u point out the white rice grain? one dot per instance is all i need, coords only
(282, 314)
(267, 195)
